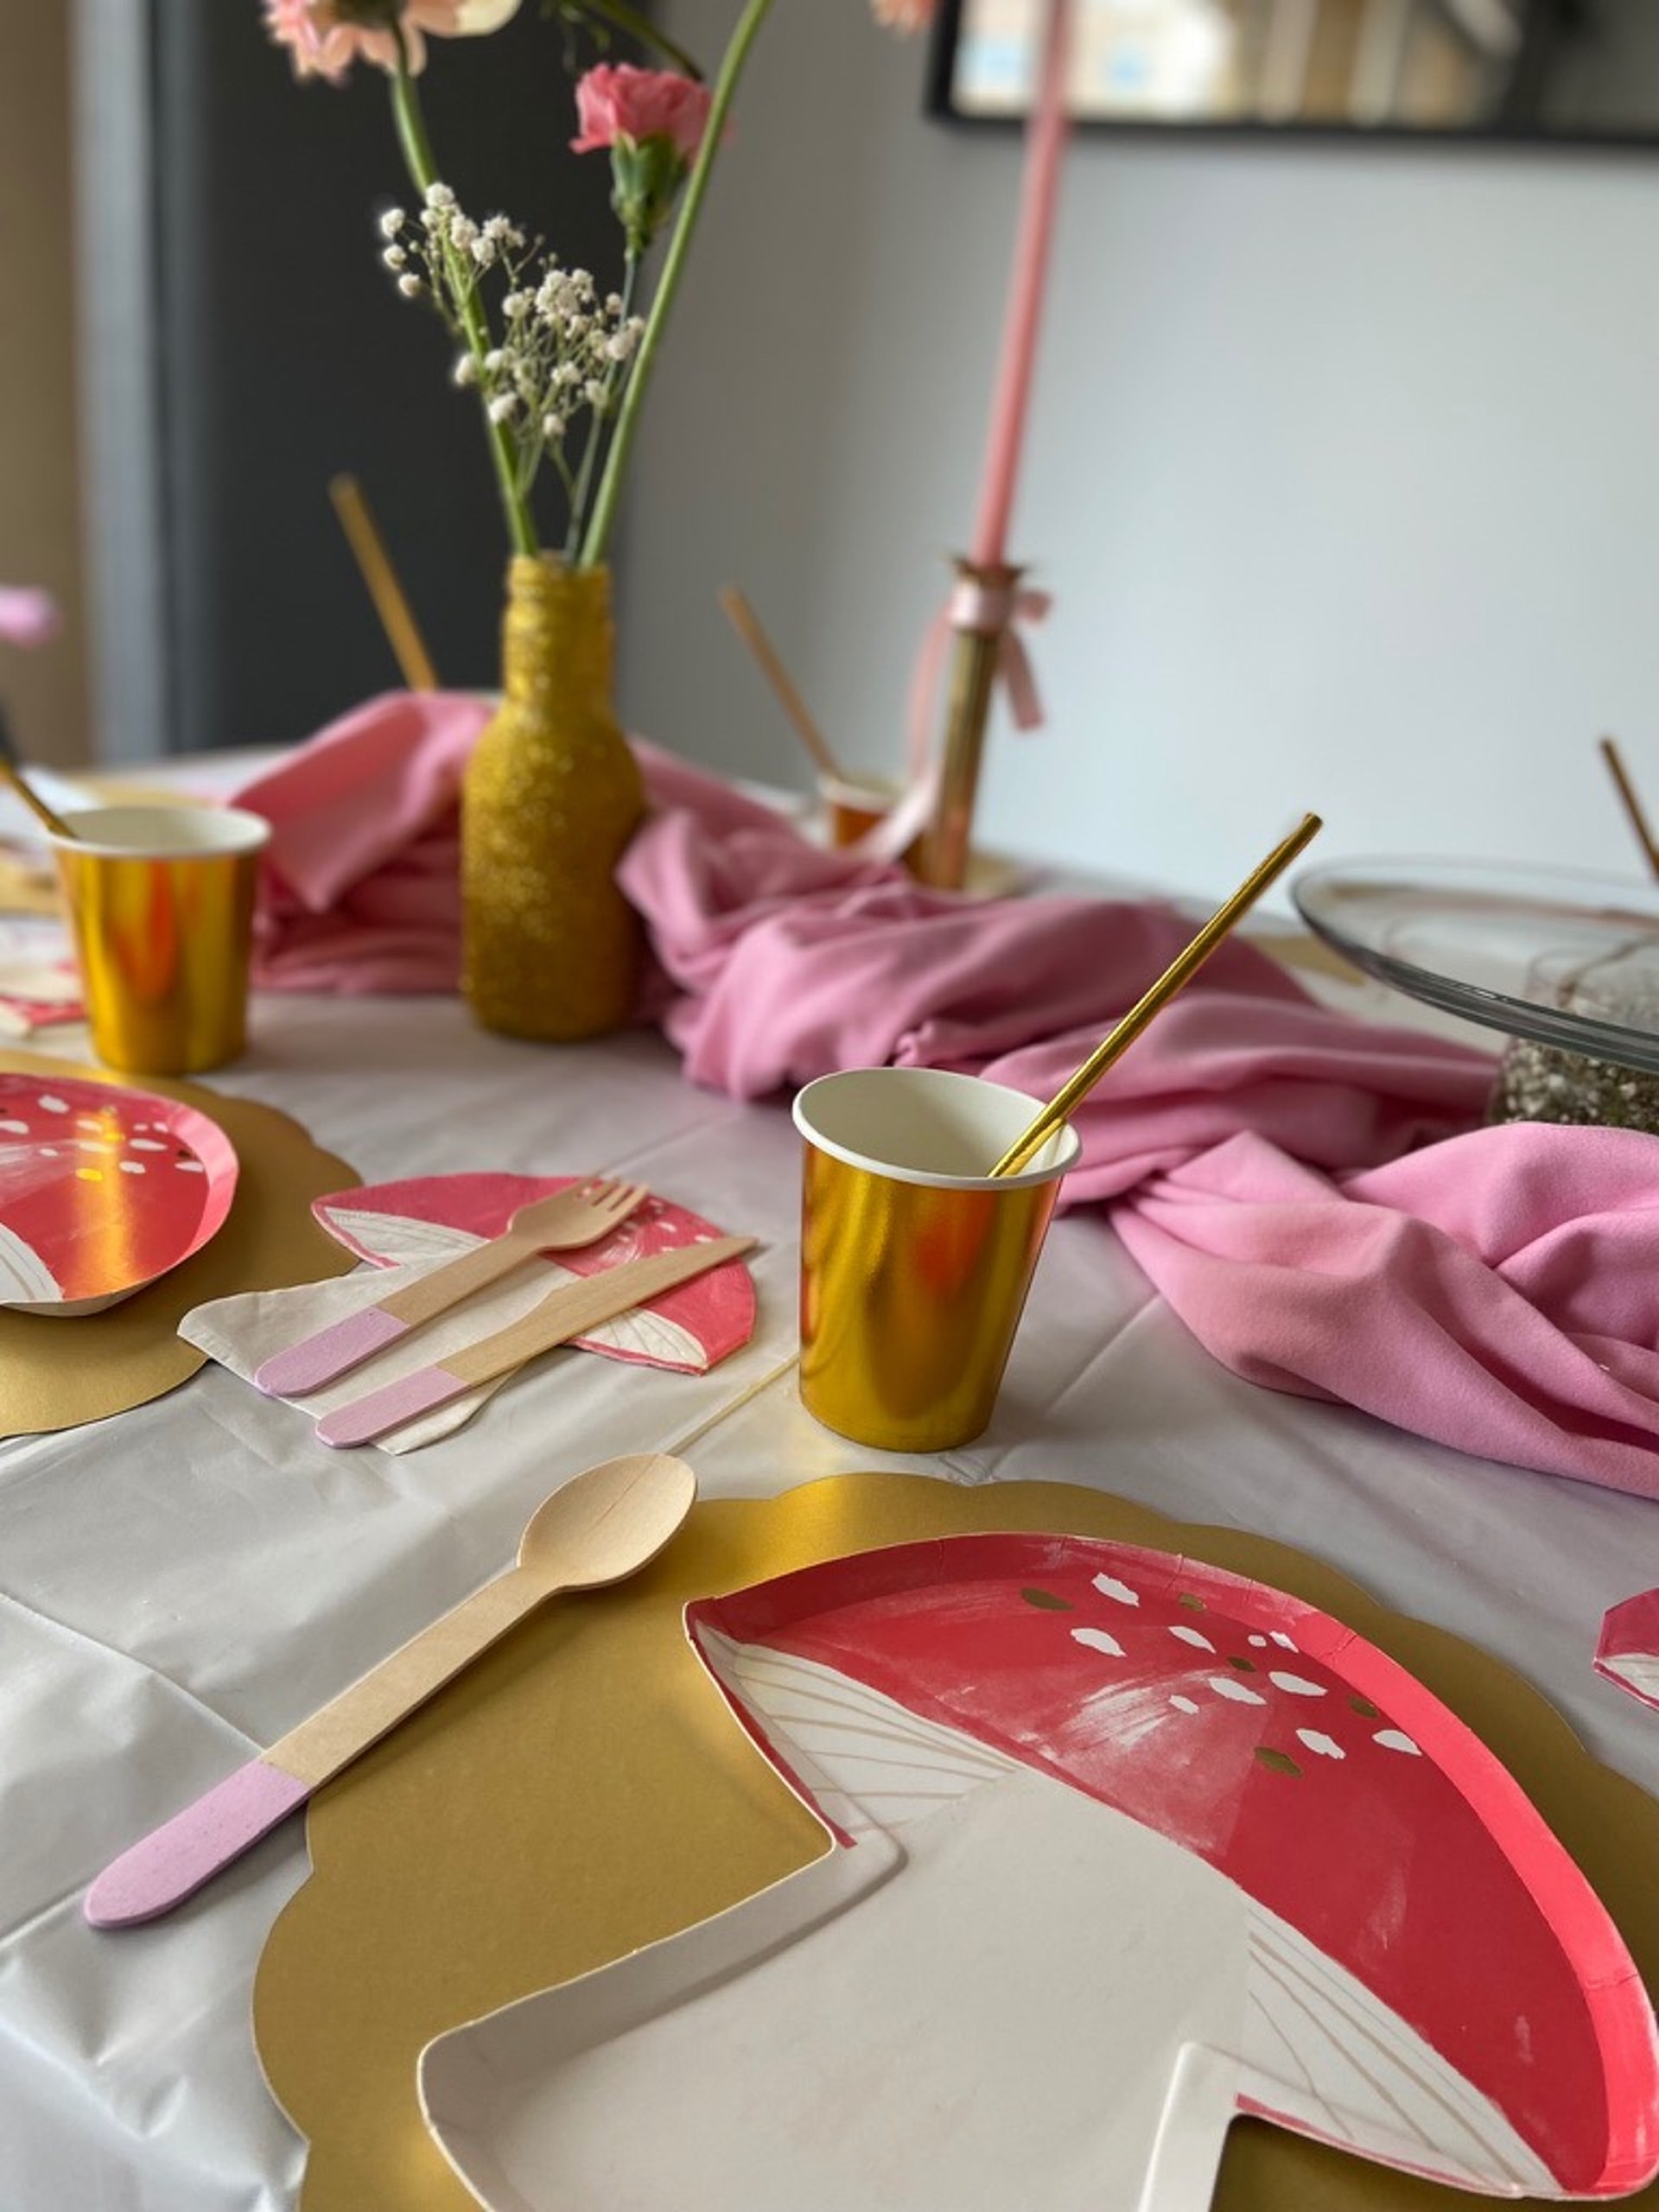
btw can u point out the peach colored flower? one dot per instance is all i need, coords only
(623, 102)
(28, 616)
(905, 16)
(324, 37)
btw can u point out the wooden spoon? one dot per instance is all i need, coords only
(600, 1527)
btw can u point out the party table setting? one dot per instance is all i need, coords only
(703, 1504)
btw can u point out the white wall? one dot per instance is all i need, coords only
(1344, 468)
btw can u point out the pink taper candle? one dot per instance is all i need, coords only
(1045, 135)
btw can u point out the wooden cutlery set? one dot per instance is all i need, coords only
(563, 1221)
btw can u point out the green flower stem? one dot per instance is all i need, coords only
(616, 461)
(423, 169)
(622, 17)
(584, 481)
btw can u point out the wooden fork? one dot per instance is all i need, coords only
(559, 1222)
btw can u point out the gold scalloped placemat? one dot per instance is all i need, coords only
(583, 1789)
(58, 1370)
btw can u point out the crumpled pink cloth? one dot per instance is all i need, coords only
(1312, 1193)
(360, 888)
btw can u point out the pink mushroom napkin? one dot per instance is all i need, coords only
(39, 986)
(1627, 1650)
(1313, 1195)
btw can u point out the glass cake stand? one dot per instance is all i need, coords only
(1565, 964)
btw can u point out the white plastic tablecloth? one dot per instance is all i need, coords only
(181, 1584)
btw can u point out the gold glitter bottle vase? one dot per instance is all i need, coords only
(551, 796)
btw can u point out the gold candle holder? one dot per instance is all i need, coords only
(981, 610)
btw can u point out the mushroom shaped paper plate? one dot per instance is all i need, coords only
(102, 1190)
(1120, 1845)
(435, 1217)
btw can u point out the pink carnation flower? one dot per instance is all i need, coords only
(905, 16)
(27, 617)
(324, 37)
(622, 102)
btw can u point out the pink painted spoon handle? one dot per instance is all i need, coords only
(172, 1862)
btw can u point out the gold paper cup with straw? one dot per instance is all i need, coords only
(161, 900)
(915, 1261)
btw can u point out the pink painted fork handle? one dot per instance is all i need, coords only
(317, 1359)
(172, 1861)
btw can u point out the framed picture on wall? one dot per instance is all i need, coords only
(1577, 71)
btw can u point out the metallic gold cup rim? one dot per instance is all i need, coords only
(1058, 1157)
(162, 833)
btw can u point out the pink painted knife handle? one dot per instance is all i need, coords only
(366, 1418)
(317, 1359)
(173, 1861)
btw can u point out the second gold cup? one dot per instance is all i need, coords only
(161, 900)
(915, 1261)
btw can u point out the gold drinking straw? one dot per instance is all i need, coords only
(396, 619)
(1632, 804)
(1180, 972)
(11, 772)
(746, 624)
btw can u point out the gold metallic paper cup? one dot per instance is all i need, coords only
(915, 1261)
(161, 900)
(853, 808)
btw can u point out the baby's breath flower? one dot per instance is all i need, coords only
(553, 347)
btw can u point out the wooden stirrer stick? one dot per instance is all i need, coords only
(397, 617)
(1632, 805)
(11, 771)
(746, 624)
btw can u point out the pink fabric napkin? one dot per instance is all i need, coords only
(359, 887)
(1313, 1194)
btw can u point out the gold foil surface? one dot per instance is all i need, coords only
(550, 948)
(163, 947)
(584, 1789)
(910, 1299)
(58, 1370)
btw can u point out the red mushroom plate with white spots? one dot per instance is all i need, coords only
(1120, 1846)
(102, 1188)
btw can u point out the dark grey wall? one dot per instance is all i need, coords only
(287, 356)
